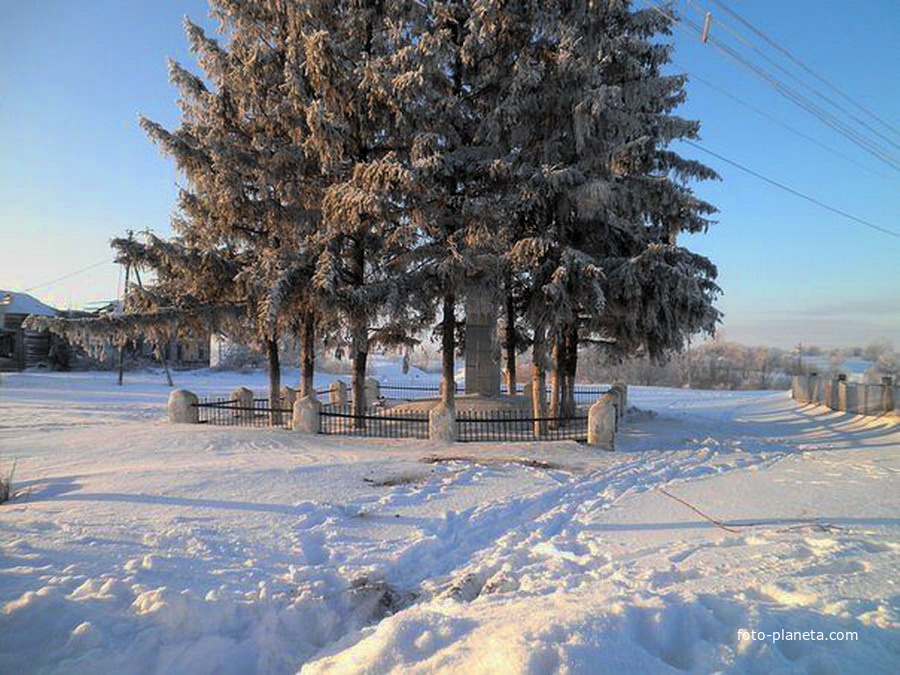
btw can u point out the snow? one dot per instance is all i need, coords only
(140, 546)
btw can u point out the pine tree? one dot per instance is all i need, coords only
(251, 178)
(600, 195)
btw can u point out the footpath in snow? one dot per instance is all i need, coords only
(139, 546)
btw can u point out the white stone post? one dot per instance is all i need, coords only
(373, 390)
(288, 396)
(602, 423)
(841, 386)
(814, 388)
(306, 415)
(887, 394)
(243, 397)
(337, 393)
(800, 388)
(182, 407)
(442, 423)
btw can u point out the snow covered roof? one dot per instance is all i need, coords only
(22, 303)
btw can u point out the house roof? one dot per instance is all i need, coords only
(22, 303)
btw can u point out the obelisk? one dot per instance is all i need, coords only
(482, 355)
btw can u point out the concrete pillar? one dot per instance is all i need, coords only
(182, 407)
(306, 415)
(814, 388)
(442, 423)
(887, 394)
(800, 388)
(243, 397)
(844, 395)
(373, 391)
(602, 423)
(482, 353)
(288, 396)
(337, 393)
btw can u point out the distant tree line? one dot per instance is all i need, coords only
(720, 364)
(354, 170)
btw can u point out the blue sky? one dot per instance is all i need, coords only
(75, 169)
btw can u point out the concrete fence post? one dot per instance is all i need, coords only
(442, 423)
(337, 393)
(243, 398)
(800, 388)
(887, 394)
(373, 391)
(306, 415)
(182, 407)
(601, 431)
(288, 396)
(842, 392)
(813, 388)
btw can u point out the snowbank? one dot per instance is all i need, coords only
(144, 547)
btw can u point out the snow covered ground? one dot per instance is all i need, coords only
(139, 546)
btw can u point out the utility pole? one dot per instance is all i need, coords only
(124, 301)
(800, 358)
(160, 350)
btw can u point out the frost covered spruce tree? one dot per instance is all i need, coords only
(600, 196)
(357, 56)
(461, 65)
(252, 189)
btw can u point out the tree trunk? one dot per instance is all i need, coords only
(308, 356)
(448, 349)
(360, 358)
(510, 341)
(556, 377)
(571, 366)
(360, 346)
(275, 415)
(538, 382)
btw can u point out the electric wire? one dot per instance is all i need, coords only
(791, 190)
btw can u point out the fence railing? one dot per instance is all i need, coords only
(381, 422)
(374, 422)
(516, 425)
(408, 392)
(230, 412)
(411, 392)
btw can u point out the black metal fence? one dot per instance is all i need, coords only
(517, 425)
(374, 422)
(400, 391)
(380, 422)
(411, 392)
(229, 412)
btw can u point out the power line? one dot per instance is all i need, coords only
(869, 145)
(859, 138)
(740, 37)
(772, 118)
(800, 63)
(66, 276)
(792, 190)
